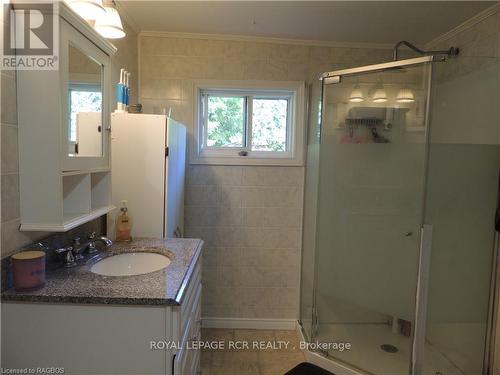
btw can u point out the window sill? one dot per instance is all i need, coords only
(247, 160)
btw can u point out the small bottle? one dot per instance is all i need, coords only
(124, 224)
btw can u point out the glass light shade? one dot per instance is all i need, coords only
(380, 96)
(356, 95)
(110, 25)
(405, 95)
(87, 9)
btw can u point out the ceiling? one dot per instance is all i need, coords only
(337, 21)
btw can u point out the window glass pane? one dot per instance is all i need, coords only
(226, 121)
(82, 101)
(269, 119)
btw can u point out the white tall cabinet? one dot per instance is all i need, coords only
(60, 189)
(148, 159)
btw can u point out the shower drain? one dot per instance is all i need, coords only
(389, 348)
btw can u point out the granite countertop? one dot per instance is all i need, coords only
(79, 285)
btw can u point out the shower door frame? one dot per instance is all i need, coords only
(423, 267)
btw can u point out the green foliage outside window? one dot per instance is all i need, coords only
(226, 123)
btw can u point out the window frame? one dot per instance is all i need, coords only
(293, 92)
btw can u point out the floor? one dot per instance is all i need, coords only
(250, 361)
(366, 353)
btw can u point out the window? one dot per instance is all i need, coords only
(242, 124)
(83, 98)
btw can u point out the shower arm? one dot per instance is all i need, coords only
(452, 51)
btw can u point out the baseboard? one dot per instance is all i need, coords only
(243, 323)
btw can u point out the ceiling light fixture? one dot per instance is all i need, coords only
(405, 95)
(110, 25)
(380, 96)
(356, 95)
(89, 10)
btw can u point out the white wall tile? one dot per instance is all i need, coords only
(10, 156)
(8, 103)
(10, 197)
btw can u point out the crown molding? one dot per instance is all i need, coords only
(261, 39)
(474, 20)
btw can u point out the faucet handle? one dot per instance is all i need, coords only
(67, 256)
(76, 241)
(63, 250)
(42, 246)
(91, 249)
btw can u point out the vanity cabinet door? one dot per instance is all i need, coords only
(85, 118)
(187, 360)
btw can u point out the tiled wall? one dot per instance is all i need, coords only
(169, 65)
(126, 58)
(479, 52)
(250, 220)
(11, 238)
(249, 216)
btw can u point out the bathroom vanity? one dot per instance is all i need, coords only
(89, 323)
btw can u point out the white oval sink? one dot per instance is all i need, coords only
(130, 264)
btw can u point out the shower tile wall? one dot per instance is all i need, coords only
(466, 139)
(249, 216)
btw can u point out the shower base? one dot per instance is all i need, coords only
(367, 351)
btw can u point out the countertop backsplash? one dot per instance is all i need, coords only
(55, 241)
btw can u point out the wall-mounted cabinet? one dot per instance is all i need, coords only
(64, 125)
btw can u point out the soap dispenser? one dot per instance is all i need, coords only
(124, 224)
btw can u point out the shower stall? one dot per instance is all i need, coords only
(399, 245)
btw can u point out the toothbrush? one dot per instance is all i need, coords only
(128, 90)
(125, 90)
(119, 92)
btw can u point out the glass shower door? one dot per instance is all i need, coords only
(372, 163)
(310, 211)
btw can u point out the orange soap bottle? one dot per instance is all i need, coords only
(123, 224)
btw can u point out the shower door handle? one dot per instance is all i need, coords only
(408, 234)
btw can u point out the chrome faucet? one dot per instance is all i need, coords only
(90, 245)
(93, 239)
(67, 256)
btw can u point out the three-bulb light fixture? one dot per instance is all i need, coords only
(103, 17)
(404, 95)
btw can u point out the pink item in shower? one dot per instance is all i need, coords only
(349, 138)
